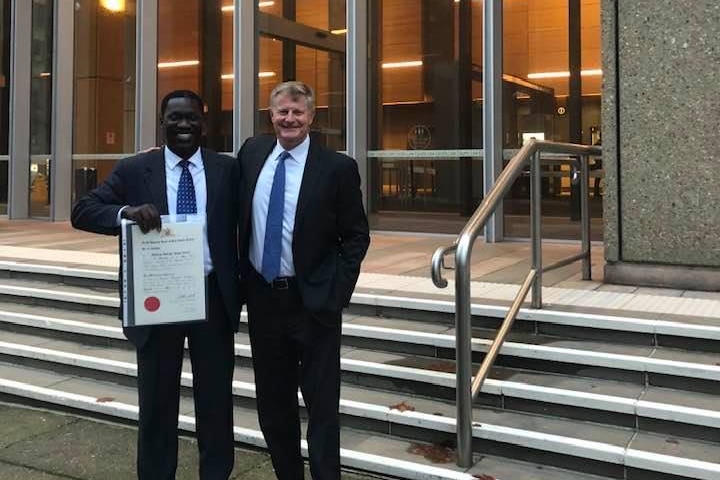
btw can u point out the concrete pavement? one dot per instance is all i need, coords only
(38, 444)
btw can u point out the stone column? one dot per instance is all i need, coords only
(661, 142)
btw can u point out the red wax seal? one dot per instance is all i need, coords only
(152, 304)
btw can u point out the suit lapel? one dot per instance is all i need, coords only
(154, 178)
(213, 179)
(313, 168)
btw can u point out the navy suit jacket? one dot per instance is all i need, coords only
(140, 179)
(331, 233)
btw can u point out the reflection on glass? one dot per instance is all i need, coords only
(4, 81)
(41, 107)
(417, 74)
(104, 76)
(40, 186)
(4, 186)
(4, 101)
(536, 89)
(319, 62)
(426, 82)
(195, 52)
(427, 94)
(88, 174)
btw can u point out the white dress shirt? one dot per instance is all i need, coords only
(294, 169)
(173, 170)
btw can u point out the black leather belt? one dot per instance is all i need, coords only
(281, 283)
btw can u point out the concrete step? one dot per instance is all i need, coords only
(694, 331)
(608, 359)
(590, 399)
(592, 448)
(364, 450)
(560, 380)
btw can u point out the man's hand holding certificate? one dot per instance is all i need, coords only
(163, 272)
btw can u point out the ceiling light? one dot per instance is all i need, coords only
(565, 74)
(411, 63)
(230, 76)
(115, 6)
(230, 8)
(183, 63)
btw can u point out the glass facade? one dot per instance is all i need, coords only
(195, 53)
(41, 107)
(104, 89)
(425, 163)
(426, 131)
(4, 101)
(426, 77)
(541, 102)
(305, 41)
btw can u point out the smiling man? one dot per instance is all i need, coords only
(180, 178)
(305, 234)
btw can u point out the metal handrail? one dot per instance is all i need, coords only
(528, 155)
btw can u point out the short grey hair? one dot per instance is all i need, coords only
(294, 90)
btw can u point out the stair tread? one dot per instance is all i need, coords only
(670, 396)
(46, 311)
(392, 448)
(705, 359)
(60, 287)
(619, 436)
(677, 447)
(618, 389)
(425, 295)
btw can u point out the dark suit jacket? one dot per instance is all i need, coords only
(331, 234)
(141, 179)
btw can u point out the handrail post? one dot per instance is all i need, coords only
(585, 216)
(463, 352)
(536, 228)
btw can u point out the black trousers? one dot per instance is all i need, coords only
(159, 367)
(291, 349)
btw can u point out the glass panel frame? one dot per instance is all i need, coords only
(41, 108)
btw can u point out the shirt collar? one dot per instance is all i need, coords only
(172, 160)
(299, 153)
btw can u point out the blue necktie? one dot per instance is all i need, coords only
(272, 250)
(186, 191)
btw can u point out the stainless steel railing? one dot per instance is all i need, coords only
(468, 389)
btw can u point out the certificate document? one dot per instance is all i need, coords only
(163, 272)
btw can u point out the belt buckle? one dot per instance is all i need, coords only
(280, 284)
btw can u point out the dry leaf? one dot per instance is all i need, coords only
(434, 453)
(105, 399)
(403, 407)
(482, 476)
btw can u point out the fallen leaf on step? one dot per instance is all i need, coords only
(482, 476)
(105, 399)
(403, 407)
(433, 453)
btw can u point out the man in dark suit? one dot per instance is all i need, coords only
(305, 235)
(180, 178)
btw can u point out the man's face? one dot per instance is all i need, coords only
(184, 126)
(291, 119)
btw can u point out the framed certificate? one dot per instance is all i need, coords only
(163, 272)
